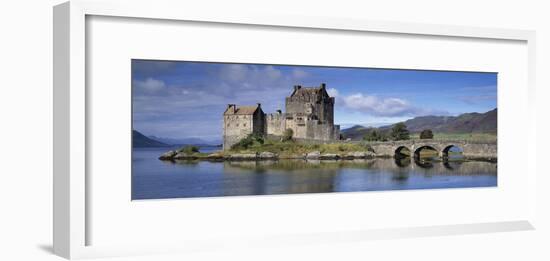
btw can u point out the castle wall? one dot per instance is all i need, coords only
(298, 124)
(328, 111)
(236, 127)
(258, 122)
(336, 132)
(294, 105)
(275, 124)
(323, 131)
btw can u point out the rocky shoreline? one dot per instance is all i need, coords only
(217, 156)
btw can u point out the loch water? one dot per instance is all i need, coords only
(156, 179)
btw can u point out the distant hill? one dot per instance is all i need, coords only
(141, 141)
(357, 132)
(464, 123)
(186, 141)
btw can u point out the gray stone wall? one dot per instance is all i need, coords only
(478, 150)
(275, 123)
(235, 128)
(337, 132)
(293, 105)
(470, 149)
(323, 131)
(258, 123)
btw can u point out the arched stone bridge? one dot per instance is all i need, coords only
(470, 149)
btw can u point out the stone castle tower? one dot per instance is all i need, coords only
(240, 121)
(309, 113)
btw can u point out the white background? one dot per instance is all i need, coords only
(25, 107)
(115, 220)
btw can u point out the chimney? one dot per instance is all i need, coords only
(259, 104)
(279, 111)
(231, 105)
(297, 87)
(323, 85)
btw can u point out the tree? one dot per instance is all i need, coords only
(373, 135)
(426, 134)
(287, 135)
(189, 149)
(399, 132)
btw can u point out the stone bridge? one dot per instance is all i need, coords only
(470, 149)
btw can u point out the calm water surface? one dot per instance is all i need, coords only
(155, 179)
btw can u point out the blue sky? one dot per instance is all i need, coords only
(187, 99)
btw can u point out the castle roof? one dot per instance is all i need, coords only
(233, 109)
(307, 91)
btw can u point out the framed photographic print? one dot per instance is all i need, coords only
(203, 129)
(326, 129)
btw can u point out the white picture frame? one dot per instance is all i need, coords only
(70, 116)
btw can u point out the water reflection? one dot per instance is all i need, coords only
(402, 162)
(423, 163)
(152, 178)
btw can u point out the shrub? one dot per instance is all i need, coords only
(257, 138)
(248, 141)
(287, 135)
(426, 134)
(243, 143)
(341, 147)
(189, 149)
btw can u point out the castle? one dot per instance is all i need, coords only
(309, 114)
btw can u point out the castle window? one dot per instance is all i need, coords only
(244, 124)
(237, 125)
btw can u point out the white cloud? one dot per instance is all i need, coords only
(299, 74)
(168, 109)
(234, 73)
(149, 85)
(333, 92)
(272, 73)
(476, 99)
(380, 106)
(240, 75)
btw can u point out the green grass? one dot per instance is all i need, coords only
(192, 151)
(477, 137)
(291, 148)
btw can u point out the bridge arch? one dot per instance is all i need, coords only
(402, 152)
(424, 147)
(449, 147)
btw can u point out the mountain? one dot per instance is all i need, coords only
(356, 132)
(141, 141)
(463, 123)
(186, 141)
